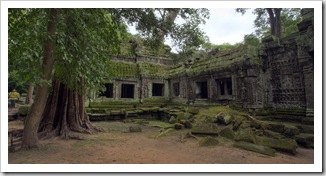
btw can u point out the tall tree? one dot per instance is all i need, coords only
(77, 46)
(275, 21)
(30, 138)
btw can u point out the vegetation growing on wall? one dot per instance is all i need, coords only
(123, 70)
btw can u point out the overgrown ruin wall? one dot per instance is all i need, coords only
(288, 67)
(277, 75)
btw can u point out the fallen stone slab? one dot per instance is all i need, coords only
(228, 133)
(246, 135)
(255, 148)
(284, 145)
(273, 126)
(208, 141)
(272, 134)
(193, 110)
(205, 128)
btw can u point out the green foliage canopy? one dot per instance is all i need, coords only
(289, 19)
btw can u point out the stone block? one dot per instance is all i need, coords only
(246, 135)
(205, 128)
(255, 148)
(284, 145)
(223, 118)
(228, 133)
(193, 110)
(208, 141)
(237, 122)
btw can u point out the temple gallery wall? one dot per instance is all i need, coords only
(277, 75)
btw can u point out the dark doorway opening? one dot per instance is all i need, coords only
(127, 90)
(108, 93)
(176, 89)
(158, 89)
(225, 86)
(202, 91)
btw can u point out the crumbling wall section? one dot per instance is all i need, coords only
(288, 67)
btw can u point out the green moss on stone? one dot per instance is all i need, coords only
(255, 148)
(285, 145)
(208, 142)
(228, 133)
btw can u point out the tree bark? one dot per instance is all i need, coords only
(29, 97)
(65, 113)
(275, 21)
(278, 26)
(168, 22)
(30, 137)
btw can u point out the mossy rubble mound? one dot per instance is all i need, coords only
(208, 141)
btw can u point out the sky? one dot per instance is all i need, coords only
(225, 25)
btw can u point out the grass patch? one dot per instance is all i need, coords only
(160, 124)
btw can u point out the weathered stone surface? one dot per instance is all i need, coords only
(305, 128)
(208, 141)
(272, 134)
(208, 119)
(187, 124)
(172, 120)
(183, 116)
(246, 135)
(224, 118)
(205, 128)
(193, 110)
(255, 123)
(255, 148)
(305, 140)
(273, 126)
(237, 122)
(244, 125)
(308, 121)
(285, 145)
(291, 130)
(228, 133)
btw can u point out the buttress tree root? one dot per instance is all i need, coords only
(64, 114)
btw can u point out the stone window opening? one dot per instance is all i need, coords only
(158, 89)
(108, 93)
(225, 86)
(176, 89)
(127, 90)
(201, 90)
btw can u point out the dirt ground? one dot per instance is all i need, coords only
(118, 146)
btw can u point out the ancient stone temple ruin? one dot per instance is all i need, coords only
(275, 78)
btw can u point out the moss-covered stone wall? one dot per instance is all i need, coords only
(278, 74)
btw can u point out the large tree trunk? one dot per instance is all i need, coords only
(275, 21)
(30, 137)
(65, 113)
(168, 22)
(278, 26)
(29, 97)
